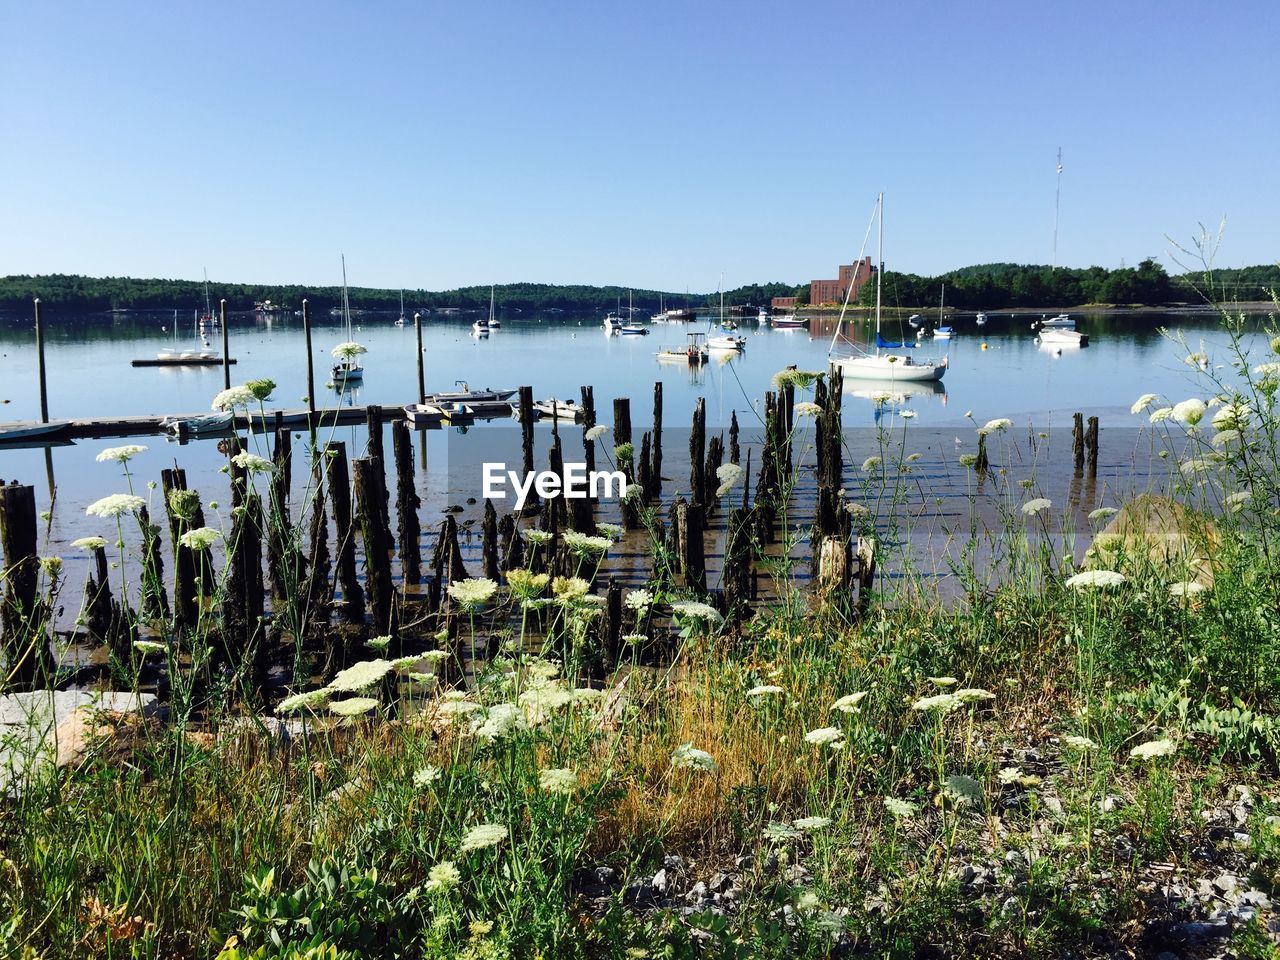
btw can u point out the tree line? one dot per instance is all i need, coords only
(984, 287)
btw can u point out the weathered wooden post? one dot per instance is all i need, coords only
(154, 597)
(373, 421)
(366, 473)
(21, 616)
(226, 345)
(621, 421)
(735, 453)
(179, 506)
(44, 391)
(736, 580)
(340, 497)
(690, 519)
(311, 372)
(613, 625)
(446, 561)
(526, 439)
(588, 421)
(422, 373)
(409, 529)
(317, 586)
(698, 451)
(489, 541)
(1077, 441)
(512, 543)
(1091, 446)
(656, 473)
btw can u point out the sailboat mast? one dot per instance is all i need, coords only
(879, 269)
(491, 288)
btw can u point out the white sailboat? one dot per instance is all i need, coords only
(887, 363)
(725, 341)
(348, 369)
(942, 331)
(400, 320)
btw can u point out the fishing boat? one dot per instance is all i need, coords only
(695, 353)
(899, 365)
(982, 319)
(565, 410)
(349, 369)
(1069, 338)
(204, 425)
(790, 322)
(682, 315)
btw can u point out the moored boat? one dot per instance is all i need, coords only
(208, 424)
(727, 343)
(791, 322)
(1070, 338)
(564, 410)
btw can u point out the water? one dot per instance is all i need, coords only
(996, 371)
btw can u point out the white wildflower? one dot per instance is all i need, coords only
(473, 593)
(694, 610)
(1153, 749)
(201, 538)
(1102, 513)
(813, 824)
(638, 600)
(1189, 411)
(849, 702)
(234, 397)
(871, 463)
(1035, 506)
(962, 789)
(89, 543)
(146, 647)
(596, 432)
(998, 425)
(360, 676)
(114, 506)
(583, 545)
(353, 706)
(1144, 401)
(558, 780)
(831, 737)
(443, 877)
(1187, 588)
(424, 777)
(252, 463)
(688, 757)
(120, 454)
(938, 703)
(349, 350)
(1079, 743)
(1095, 578)
(311, 700)
(807, 408)
(901, 809)
(763, 691)
(729, 476)
(483, 836)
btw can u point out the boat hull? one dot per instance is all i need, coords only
(903, 369)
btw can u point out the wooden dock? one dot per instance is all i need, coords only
(137, 426)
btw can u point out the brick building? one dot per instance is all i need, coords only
(833, 291)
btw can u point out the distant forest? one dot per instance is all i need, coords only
(985, 287)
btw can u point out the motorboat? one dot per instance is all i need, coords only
(562, 410)
(209, 424)
(762, 316)
(943, 333)
(982, 319)
(791, 322)
(1056, 335)
(633, 330)
(467, 395)
(1062, 322)
(727, 343)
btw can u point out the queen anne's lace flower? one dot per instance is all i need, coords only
(442, 877)
(234, 397)
(998, 425)
(252, 463)
(473, 593)
(938, 703)
(1189, 411)
(120, 454)
(688, 757)
(349, 350)
(1079, 743)
(849, 702)
(765, 690)
(1095, 578)
(825, 737)
(1144, 401)
(729, 475)
(1035, 506)
(813, 824)
(89, 543)
(901, 809)
(584, 545)
(807, 408)
(525, 585)
(311, 700)
(353, 706)
(115, 505)
(360, 676)
(1153, 749)
(201, 538)
(638, 600)
(596, 432)
(695, 610)
(483, 836)
(1102, 513)
(558, 780)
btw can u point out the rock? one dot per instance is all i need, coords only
(698, 892)
(1256, 898)
(659, 881)
(745, 862)
(606, 875)
(58, 726)
(639, 893)
(673, 864)
(1225, 883)
(721, 882)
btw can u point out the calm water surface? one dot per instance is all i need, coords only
(996, 371)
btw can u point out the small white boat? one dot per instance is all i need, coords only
(612, 321)
(1062, 322)
(400, 320)
(1070, 338)
(789, 323)
(915, 320)
(727, 343)
(633, 330)
(943, 333)
(205, 425)
(562, 410)
(982, 319)
(480, 328)
(763, 315)
(347, 371)
(424, 414)
(467, 395)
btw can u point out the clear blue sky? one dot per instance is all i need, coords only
(651, 144)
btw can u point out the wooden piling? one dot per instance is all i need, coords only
(656, 490)
(22, 617)
(340, 499)
(711, 472)
(373, 423)
(698, 451)
(186, 599)
(446, 561)
(44, 390)
(1091, 446)
(368, 484)
(526, 441)
(691, 521)
(154, 598)
(735, 452)
(613, 624)
(489, 541)
(409, 529)
(512, 543)
(318, 591)
(1077, 441)
(422, 374)
(311, 373)
(736, 578)
(226, 346)
(588, 421)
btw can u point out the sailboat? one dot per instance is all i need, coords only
(482, 327)
(941, 331)
(882, 365)
(726, 341)
(400, 320)
(631, 328)
(348, 369)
